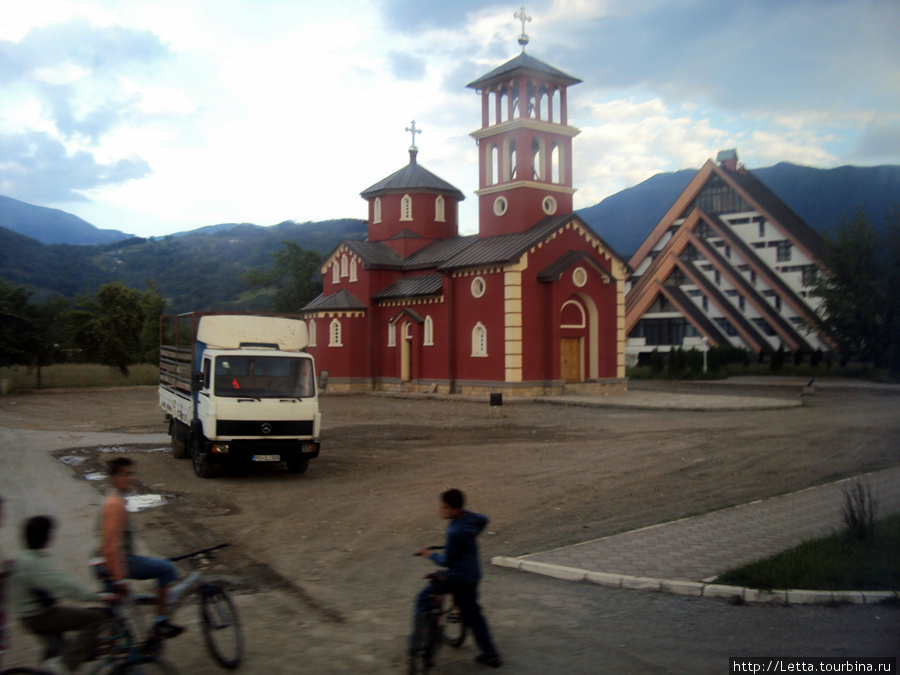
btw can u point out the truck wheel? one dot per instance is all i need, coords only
(298, 465)
(203, 466)
(179, 444)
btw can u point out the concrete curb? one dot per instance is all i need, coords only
(734, 594)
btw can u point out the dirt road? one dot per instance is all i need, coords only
(321, 561)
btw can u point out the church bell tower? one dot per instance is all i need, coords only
(524, 143)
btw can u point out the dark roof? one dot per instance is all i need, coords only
(555, 270)
(343, 300)
(524, 62)
(412, 177)
(775, 207)
(374, 254)
(439, 252)
(412, 287)
(407, 233)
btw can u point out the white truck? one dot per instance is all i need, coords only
(238, 388)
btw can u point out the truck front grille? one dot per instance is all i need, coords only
(264, 428)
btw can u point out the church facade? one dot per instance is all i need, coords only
(729, 265)
(533, 304)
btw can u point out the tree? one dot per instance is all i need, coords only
(108, 327)
(293, 278)
(17, 325)
(859, 307)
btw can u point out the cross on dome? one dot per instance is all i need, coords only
(412, 129)
(523, 17)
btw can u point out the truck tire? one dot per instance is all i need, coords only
(298, 465)
(179, 443)
(203, 466)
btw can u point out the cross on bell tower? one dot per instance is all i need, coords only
(523, 17)
(412, 130)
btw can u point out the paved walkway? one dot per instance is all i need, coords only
(685, 555)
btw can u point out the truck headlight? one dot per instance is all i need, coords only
(219, 448)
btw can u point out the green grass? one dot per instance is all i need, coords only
(72, 375)
(831, 563)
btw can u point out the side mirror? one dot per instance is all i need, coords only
(197, 380)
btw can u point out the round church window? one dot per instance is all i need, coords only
(477, 287)
(579, 276)
(549, 205)
(500, 206)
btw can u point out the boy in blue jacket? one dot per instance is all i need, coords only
(460, 557)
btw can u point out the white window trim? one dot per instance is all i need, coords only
(428, 332)
(334, 334)
(478, 287)
(312, 332)
(335, 272)
(392, 335)
(376, 211)
(479, 341)
(406, 208)
(440, 214)
(344, 267)
(353, 269)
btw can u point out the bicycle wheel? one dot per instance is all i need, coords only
(454, 626)
(221, 627)
(146, 666)
(421, 648)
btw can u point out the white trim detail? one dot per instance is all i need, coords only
(479, 341)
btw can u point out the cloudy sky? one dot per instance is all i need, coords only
(159, 116)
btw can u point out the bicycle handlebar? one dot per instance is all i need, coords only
(198, 552)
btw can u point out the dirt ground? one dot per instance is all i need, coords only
(321, 564)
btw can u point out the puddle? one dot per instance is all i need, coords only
(95, 475)
(118, 448)
(135, 503)
(72, 460)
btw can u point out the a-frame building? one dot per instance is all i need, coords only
(532, 304)
(729, 264)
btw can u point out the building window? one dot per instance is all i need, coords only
(783, 251)
(549, 205)
(406, 208)
(439, 215)
(478, 287)
(335, 272)
(312, 332)
(392, 335)
(579, 276)
(345, 269)
(428, 332)
(376, 210)
(500, 205)
(705, 304)
(808, 275)
(664, 331)
(742, 303)
(718, 277)
(762, 229)
(352, 269)
(335, 334)
(479, 340)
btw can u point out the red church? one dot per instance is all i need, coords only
(531, 305)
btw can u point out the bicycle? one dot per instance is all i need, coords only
(117, 651)
(441, 624)
(219, 619)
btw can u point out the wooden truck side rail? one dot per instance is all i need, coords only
(176, 368)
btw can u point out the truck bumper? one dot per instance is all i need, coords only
(247, 451)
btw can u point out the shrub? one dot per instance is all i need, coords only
(859, 510)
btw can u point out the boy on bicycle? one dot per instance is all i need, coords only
(460, 557)
(117, 548)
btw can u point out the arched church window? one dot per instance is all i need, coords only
(352, 269)
(556, 160)
(439, 214)
(345, 269)
(493, 167)
(479, 340)
(335, 272)
(392, 335)
(335, 334)
(537, 158)
(428, 332)
(509, 160)
(312, 332)
(406, 208)
(376, 210)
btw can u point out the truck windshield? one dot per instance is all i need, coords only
(264, 377)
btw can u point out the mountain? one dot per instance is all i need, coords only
(204, 268)
(200, 270)
(52, 226)
(822, 197)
